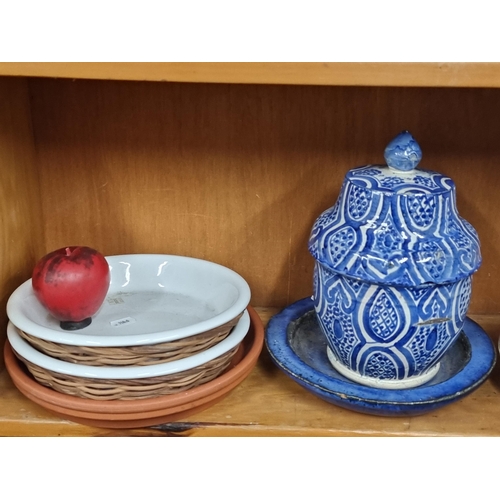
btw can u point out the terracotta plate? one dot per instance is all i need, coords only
(204, 402)
(139, 422)
(143, 412)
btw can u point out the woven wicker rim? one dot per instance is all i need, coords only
(143, 355)
(109, 389)
(243, 362)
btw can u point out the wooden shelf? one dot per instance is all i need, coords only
(316, 73)
(154, 158)
(268, 403)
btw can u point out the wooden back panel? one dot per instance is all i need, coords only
(237, 174)
(20, 209)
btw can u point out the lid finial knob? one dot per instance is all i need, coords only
(403, 153)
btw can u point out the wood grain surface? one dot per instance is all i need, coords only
(237, 174)
(293, 73)
(20, 209)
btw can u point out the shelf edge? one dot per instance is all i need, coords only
(291, 73)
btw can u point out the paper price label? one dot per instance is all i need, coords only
(122, 321)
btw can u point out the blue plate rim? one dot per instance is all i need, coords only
(472, 375)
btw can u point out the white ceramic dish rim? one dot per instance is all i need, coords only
(15, 315)
(28, 352)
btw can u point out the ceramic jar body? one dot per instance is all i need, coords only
(384, 334)
(393, 272)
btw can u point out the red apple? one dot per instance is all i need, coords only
(72, 283)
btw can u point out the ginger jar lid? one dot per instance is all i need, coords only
(396, 224)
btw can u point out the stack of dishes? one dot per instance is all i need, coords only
(169, 325)
(298, 346)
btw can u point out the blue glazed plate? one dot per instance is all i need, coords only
(298, 347)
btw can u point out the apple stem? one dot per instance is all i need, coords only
(68, 251)
(75, 325)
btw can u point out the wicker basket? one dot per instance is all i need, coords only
(142, 355)
(112, 389)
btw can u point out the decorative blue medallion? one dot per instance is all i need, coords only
(392, 279)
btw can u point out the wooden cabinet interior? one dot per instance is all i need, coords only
(233, 173)
(21, 235)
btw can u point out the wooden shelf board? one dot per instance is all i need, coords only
(294, 73)
(268, 403)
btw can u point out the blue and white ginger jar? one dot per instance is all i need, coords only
(393, 271)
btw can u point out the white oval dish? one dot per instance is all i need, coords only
(152, 298)
(28, 352)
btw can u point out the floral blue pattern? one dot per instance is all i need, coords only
(374, 329)
(408, 235)
(394, 260)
